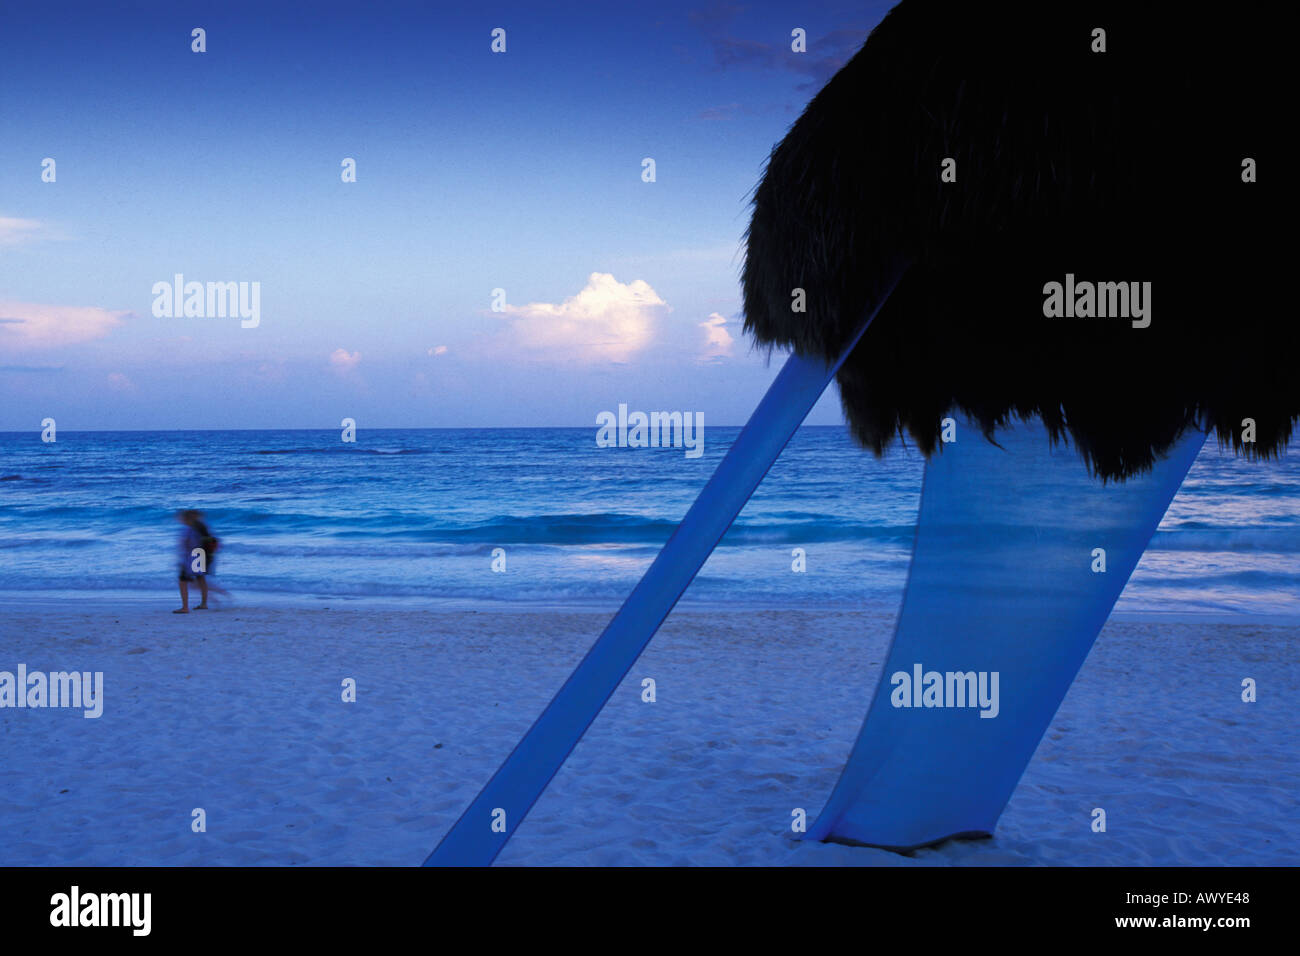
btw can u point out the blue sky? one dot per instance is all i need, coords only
(475, 171)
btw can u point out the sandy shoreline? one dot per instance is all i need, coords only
(239, 712)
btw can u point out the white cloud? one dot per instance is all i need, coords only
(31, 325)
(440, 350)
(345, 361)
(13, 232)
(718, 341)
(120, 383)
(269, 372)
(607, 321)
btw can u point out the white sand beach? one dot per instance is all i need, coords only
(240, 712)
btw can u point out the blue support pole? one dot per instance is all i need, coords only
(538, 756)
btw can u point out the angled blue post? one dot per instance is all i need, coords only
(1004, 595)
(538, 756)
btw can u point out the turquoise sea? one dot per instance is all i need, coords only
(416, 515)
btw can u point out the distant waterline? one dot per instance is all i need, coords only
(418, 514)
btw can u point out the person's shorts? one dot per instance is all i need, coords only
(187, 574)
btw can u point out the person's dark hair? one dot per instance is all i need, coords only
(194, 519)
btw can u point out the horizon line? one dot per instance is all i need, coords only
(373, 428)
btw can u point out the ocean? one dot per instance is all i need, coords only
(415, 516)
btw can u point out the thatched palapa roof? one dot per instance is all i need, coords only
(1122, 166)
